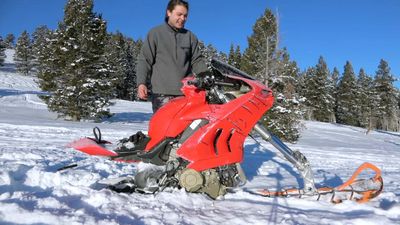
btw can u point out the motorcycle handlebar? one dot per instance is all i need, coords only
(194, 82)
(207, 82)
(224, 84)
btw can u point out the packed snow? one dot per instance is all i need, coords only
(33, 147)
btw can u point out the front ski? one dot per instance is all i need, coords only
(92, 147)
(127, 150)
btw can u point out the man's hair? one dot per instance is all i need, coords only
(171, 6)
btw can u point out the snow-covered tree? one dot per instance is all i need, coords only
(121, 56)
(234, 56)
(304, 89)
(318, 93)
(209, 52)
(231, 55)
(366, 99)
(132, 49)
(398, 106)
(387, 105)
(283, 119)
(333, 89)
(238, 57)
(2, 51)
(41, 41)
(23, 54)
(10, 38)
(274, 68)
(47, 64)
(117, 62)
(258, 58)
(347, 102)
(83, 88)
(335, 78)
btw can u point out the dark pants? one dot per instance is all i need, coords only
(158, 100)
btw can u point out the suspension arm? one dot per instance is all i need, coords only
(294, 157)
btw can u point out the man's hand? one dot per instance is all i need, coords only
(142, 92)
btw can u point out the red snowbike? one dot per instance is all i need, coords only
(197, 142)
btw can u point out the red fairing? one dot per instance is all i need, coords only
(171, 119)
(89, 146)
(220, 142)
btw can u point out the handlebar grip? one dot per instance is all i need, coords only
(224, 84)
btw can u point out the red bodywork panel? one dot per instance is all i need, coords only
(220, 142)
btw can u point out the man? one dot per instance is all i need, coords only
(169, 53)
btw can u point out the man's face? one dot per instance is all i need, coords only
(177, 17)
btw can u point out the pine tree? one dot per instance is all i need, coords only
(283, 119)
(134, 48)
(209, 52)
(116, 61)
(238, 57)
(83, 89)
(41, 40)
(121, 57)
(275, 69)
(365, 99)
(347, 105)
(335, 77)
(319, 101)
(398, 107)
(333, 90)
(258, 58)
(10, 38)
(231, 56)
(387, 107)
(2, 51)
(234, 56)
(23, 54)
(48, 65)
(222, 56)
(206, 52)
(306, 89)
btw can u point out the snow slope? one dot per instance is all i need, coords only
(33, 146)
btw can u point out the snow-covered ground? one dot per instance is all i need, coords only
(33, 146)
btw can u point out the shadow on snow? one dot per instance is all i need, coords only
(129, 117)
(11, 92)
(8, 67)
(253, 161)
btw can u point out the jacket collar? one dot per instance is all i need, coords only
(174, 30)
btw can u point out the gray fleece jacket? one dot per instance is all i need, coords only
(167, 56)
